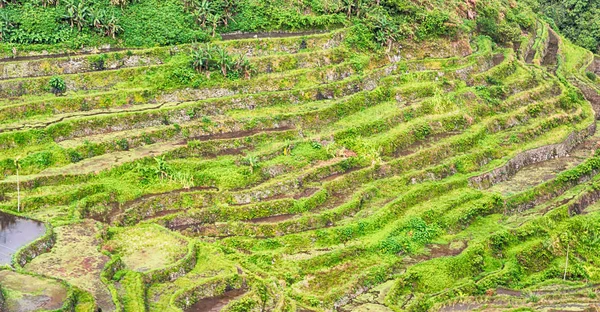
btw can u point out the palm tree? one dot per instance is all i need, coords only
(223, 61)
(203, 10)
(213, 19)
(111, 28)
(82, 14)
(76, 14)
(199, 59)
(228, 12)
(97, 17)
(348, 4)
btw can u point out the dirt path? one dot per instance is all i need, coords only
(76, 259)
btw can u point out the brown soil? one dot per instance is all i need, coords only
(530, 56)
(338, 174)
(306, 193)
(438, 251)
(497, 59)
(550, 57)
(76, 259)
(591, 95)
(595, 66)
(117, 209)
(215, 304)
(272, 219)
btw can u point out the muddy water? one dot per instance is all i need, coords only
(16, 232)
(215, 304)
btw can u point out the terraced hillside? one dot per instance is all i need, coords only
(451, 174)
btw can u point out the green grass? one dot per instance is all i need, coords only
(335, 175)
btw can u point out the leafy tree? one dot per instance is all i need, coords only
(111, 27)
(76, 14)
(576, 19)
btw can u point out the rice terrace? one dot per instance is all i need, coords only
(299, 155)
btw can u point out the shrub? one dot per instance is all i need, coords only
(208, 58)
(122, 144)
(75, 156)
(57, 85)
(591, 76)
(434, 24)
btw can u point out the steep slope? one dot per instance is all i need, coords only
(454, 173)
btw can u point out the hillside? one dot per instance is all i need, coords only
(377, 156)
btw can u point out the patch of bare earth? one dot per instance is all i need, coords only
(75, 258)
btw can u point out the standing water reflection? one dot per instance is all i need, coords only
(16, 232)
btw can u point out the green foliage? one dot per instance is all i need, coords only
(591, 76)
(434, 24)
(57, 85)
(577, 20)
(211, 58)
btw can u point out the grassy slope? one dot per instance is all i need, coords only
(334, 177)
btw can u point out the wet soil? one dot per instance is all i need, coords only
(16, 232)
(76, 259)
(30, 293)
(45, 124)
(216, 304)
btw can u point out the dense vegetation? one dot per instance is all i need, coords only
(77, 23)
(436, 155)
(577, 20)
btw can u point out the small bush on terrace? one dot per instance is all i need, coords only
(57, 85)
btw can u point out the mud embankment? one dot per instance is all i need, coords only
(530, 157)
(551, 51)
